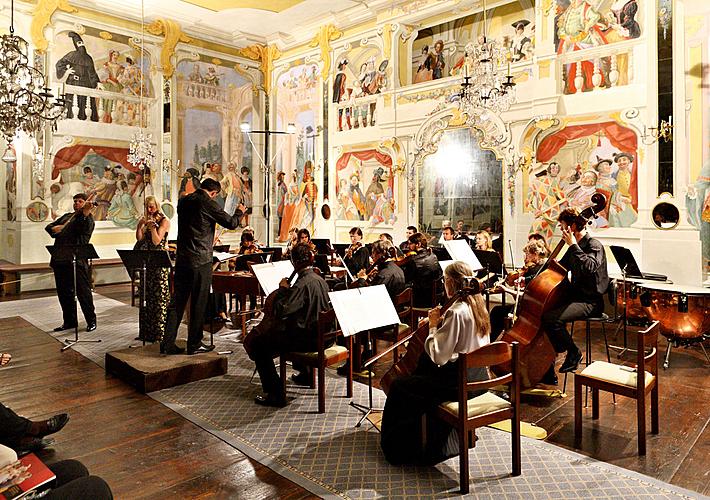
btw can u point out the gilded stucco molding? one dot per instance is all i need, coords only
(326, 34)
(173, 34)
(42, 17)
(266, 55)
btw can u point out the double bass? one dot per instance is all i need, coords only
(544, 293)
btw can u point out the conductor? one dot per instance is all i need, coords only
(198, 213)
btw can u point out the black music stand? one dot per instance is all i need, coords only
(71, 253)
(143, 261)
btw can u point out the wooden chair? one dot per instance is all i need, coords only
(485, 409)
(403, 305)
(623, 380)
(327, 354)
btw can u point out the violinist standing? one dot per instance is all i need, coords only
(356, 256)
(464, 327)
(67, 230)
(586, 261)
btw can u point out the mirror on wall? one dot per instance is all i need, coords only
(460, 185)
(665, 215)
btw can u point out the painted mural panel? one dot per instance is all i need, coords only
(101, 171)
(697, 63)
(10, 183)
(212, 100)
(439, 51)
(365, 188)
(296, 192)
(361, 75)
(578, 161)
(104, 61)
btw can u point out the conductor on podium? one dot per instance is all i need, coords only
(198, 213)
(68, 230)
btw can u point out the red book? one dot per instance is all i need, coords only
(40, 475)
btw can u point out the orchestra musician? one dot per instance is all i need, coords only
(295, 311)
(421, 271)
(388, 237)
(198, 213)
(152, 234)
(484, 241)
(464, 327)
(356, 256)
(541, 238)
(411, 230)
(384, 271)
(304, 236)
(73, 229)
(586, 260)
(247, 244)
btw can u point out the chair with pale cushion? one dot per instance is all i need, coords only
(327, 354)
(623, 380)
(487, 408)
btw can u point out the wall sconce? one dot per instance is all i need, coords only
(663, 131)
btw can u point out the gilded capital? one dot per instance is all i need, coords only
(266, 55)
(172, 33)
(326, 34)
(42, 17)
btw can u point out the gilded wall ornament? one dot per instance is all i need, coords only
(266, 55)
(42, 17)
(173, 34)
(326, 34)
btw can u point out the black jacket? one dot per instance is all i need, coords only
(197, 216)
(77, 232)
(392, 276)
(359, 260)
(298, 306)
(587, 262)
(423, 273)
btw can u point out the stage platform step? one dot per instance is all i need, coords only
(147, 370)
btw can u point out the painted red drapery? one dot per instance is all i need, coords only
(622, 138)
(368, 154)
(70, 156)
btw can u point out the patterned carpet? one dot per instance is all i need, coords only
(330, 457)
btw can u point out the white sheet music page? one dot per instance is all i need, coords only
(444, 264)
(365, 308)
(459, 250)
(222, 256)
(270, 274)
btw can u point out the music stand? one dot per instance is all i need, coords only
(322, 245)
(66, 253)
(142, 261)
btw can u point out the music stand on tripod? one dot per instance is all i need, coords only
(144, 261)
(71, 253)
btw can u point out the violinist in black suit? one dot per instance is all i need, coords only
(422, 272)
(356, 256)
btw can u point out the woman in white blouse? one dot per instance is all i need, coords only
(465, 326)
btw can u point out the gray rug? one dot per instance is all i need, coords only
(326, 454)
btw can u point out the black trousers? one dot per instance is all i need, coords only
(193, 284)
(264, 345)
(64, 280)
(73, 481)
(12, 427)
(498, 316)
(554, 321)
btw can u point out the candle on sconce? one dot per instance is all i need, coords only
(465, 69)
(670, 120)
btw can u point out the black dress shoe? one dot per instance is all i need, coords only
(571, 361)
(270, 400)
(64, 327)
(202, 348)
(33, 444)
(171, 349)
(54, 424)
(550, 377)
(90, 327)
(301, 379)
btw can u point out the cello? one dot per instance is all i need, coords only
(544, 293)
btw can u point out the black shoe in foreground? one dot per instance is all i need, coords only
(550, 377)
(33, 444)
(202, 348)
(270, 400)
(90, 327)
(571, 361)
(301, 379)
(64, 327)
(171, 349)
(54, 424)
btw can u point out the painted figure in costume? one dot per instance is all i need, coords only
(339, 94)
(196, 75)
(374, 190)
(232, 188)
(77, 67)
(356, 196)
(577, 29)
(122, 211)
(190, 182)
(290, 207)
(89, 181)
(110, 74)
(247, 199)
(105, 188)
(309, 195)
(438, 60)
(424, 71)
(521, 45)
(281, 191)
(621, 210)
(133, 85)
(465, 64)
(606, 184)
(211, 77)
(697, 202)
(346, 208)
(546, 201)
(622, 18)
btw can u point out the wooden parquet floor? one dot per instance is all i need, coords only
(145, 450)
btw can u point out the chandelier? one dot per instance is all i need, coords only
(140, 149)
(484, 85)
(25, 99)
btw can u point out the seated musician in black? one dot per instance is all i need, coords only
(356, 256)
(464, 328)
(422, 272)
(404, 246)
(293, 326)
(586, 260)
(388, 237)
(387, 272)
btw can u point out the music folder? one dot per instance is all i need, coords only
(628, 264)
(322, 245)
(270, 274)
(459, 250)
(350, 306)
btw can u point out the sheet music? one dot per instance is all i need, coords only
(444, 264)
(459, 250)
(350, 307)
(270, 274)
(222, 256)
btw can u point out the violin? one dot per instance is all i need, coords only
(352, 249)
(406, 258)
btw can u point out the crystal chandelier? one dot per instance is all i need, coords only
(484, 86)
(25, 99)
(140, 149)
